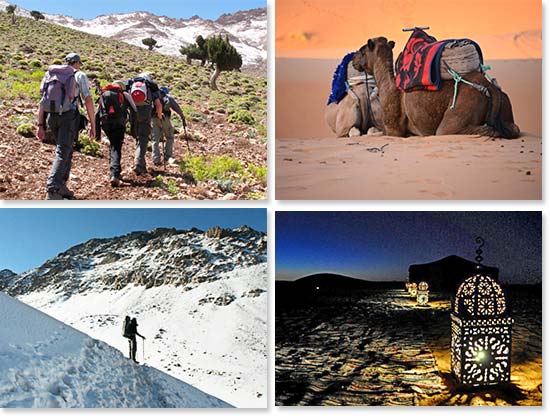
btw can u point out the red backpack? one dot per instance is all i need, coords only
(111, 102)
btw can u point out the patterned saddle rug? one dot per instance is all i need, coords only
(418, 67)
(339, 79)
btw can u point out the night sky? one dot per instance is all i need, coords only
(382, 245)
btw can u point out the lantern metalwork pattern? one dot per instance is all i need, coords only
(481, 333)
(422, 293)
(412, 289)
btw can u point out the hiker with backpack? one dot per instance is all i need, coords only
(61, 89)
(130, 332)
(145, 93)
(111, 116)
(163, 127)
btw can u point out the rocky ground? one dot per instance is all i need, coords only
(384, 349)
(25, 164)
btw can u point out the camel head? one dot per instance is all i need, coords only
(376, 48)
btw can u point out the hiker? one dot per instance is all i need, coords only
(163, 127)
(145, 94)
(111, 116)
(130, 332)
(62, 88)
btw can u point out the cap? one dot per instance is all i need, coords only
(164, 90)
(72, 58)
(148, 76)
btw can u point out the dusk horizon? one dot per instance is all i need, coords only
(380, 246)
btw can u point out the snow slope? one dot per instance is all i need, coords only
(45, 363)
(219, 348)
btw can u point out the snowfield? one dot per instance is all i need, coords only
(45, 363)
(212, 336)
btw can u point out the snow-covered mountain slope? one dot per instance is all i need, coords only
(45, 363)
(247, 30)
(200, 299)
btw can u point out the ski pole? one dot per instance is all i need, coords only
(143, 350)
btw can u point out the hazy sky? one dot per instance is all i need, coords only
(382, 245)
(31, 236)
(209, 9)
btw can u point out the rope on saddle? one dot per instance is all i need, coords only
(457, 78)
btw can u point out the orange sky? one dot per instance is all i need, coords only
(504, 29)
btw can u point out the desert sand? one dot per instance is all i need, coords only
(381, 348)
(389, 168)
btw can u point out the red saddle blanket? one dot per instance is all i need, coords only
(418, 66)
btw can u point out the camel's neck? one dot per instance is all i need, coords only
(385, 79)
(390, 97)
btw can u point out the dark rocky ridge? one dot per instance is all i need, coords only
(146, 258)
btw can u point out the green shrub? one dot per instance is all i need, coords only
(35, 63)
(172, 187)
(241, 117)
(193, 115)
(213, 167)
(259, 172)
(25, 130)
(89, 147)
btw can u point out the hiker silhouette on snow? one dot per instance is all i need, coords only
(130, 332)
(163, 126)
(61, 89)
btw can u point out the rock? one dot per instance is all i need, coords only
(477, 401)
(229, 197)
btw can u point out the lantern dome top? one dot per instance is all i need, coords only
(423, 285)
(479, 296)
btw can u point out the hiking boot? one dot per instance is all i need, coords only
(115, 182)
(54, 196)
(65, 192)
(139, 170)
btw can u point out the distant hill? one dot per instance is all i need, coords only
(311, 288)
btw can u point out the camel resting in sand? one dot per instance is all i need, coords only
(425, 113)
(351, 116)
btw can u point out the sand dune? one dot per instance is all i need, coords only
(384, 168)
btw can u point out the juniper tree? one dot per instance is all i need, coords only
(150, 43)
(223, 56)
(37, 15)
(196, 50)
(10, 9)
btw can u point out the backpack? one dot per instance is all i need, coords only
(111, 102)
(166, 106)
(126, 329)
(140, 91)
(58, 89)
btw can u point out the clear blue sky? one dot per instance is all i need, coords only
(29, 237)
(208, 9)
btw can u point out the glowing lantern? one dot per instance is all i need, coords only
(422, 294)
(412, 289)
(481, 331)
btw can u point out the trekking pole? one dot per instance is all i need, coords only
(143, 350)
(163, 155)
(186, 139)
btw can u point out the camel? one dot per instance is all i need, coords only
(426, 113)
(351, 117)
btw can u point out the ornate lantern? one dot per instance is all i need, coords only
(412, 289)
(422, 294)
(481, 331)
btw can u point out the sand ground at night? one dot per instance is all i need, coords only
(380, 348)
